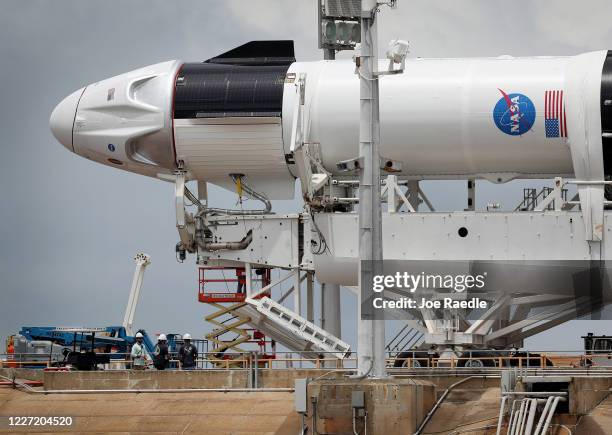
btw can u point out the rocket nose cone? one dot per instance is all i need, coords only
(62, 119)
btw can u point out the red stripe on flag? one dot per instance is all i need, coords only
(559, 111)
(561, 115)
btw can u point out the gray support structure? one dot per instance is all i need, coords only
(370, 333)
(310, 296)
(331, 319)
(413, 194)
(471, 198)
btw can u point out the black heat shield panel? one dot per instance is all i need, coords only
(606, 115)
(211, 90)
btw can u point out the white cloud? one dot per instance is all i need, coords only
(274, 19)
(574, 24)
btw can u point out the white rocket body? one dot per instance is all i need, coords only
(437, 118)
(494, 118)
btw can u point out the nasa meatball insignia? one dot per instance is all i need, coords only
(514, 114)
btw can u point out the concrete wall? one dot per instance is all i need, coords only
(442, 382)
(29, 374)
(586, 393)
(152, 379)
(127, 379)
(266, 378)
(393, 406)
(252, 413)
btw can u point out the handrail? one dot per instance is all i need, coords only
(495, 360)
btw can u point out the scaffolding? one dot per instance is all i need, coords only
(230, 334)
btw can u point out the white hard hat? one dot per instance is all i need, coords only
(139, 335)
(162, 337)
(187, 336)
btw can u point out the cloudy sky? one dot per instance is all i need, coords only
(69, 227)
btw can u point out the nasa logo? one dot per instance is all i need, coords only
(111, 147)
(514, 114)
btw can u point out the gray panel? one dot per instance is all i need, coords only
(342, 8)
(301, 397)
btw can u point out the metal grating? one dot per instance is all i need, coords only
(343, 8)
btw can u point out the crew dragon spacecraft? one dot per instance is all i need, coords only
(492, 118)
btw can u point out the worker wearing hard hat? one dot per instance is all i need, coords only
(161, 357)
(139, 353)
(188, 354)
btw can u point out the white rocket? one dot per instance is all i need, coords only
(493, 118)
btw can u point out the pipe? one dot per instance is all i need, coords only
(501, 414)
(153, 390)
(532, 413)
(418, 375)
(512, 417)
(314, 418)
(235, 177)
(516, 429)
(169, 390)
(29, 383)
(550, 415)
(232, 246)
(364, 375)
(523, 419)
(441, 399)
(543, 416)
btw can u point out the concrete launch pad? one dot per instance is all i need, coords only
(204, 413)
(114, 401)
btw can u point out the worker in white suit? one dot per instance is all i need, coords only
(139, 353)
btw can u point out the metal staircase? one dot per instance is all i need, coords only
(239, 320)
(531, 198)
(291, 323)
(407, 338)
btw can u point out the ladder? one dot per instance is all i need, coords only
(285, 318)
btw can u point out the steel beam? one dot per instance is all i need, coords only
(370, 333)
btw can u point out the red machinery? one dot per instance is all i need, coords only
(227, 320)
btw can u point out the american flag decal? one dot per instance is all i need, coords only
(554, 113)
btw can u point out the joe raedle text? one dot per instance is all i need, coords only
(408, 303)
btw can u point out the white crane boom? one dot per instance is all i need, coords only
(142, 261)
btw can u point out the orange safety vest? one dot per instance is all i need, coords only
(10, 350)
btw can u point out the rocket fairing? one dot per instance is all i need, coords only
(494, 118)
